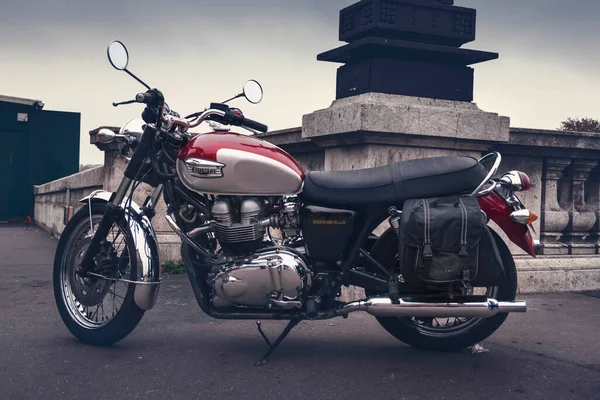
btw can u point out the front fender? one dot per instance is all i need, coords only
(144, 238)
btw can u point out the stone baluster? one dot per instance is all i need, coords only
(592, 193)
(582, 216)
(554, 219)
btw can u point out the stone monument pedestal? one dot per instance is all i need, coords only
(410, 116)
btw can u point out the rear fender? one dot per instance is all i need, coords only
(144, 238)
(498, 211)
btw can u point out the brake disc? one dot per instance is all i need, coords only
(91, 291)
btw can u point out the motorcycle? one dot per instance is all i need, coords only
(262, 240)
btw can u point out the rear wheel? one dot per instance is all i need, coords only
(446, 333)
(97, 311)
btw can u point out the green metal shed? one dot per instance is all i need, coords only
(36, 146)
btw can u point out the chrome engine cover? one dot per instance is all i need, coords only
(273, 279)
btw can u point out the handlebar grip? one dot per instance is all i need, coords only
(152, 98)
(257, 126)
(146, 98)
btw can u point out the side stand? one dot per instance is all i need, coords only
(272, 347)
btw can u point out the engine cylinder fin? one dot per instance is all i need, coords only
(237, 224)
(238, 232)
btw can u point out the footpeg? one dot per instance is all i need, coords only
(394, 291)
(312, 308)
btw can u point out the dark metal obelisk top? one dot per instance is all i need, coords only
(407, 47)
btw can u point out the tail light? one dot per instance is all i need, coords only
(524, 217)
(525, 181)
(517, 180)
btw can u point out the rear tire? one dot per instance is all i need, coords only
(79, 318)
(409, 331)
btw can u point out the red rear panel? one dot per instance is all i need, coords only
(498, 211)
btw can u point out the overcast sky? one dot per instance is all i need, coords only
(198, 51)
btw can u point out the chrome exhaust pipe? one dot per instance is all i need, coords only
(384, 307)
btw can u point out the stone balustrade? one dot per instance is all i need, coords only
(563, 168)
(565, 191)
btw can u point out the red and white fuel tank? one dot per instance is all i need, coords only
(222, 163)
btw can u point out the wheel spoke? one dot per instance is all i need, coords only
(113, 301)
(116, 296)
(115, 237)
(103, 313)
(95, 314)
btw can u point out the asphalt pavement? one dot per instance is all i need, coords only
(177, 352)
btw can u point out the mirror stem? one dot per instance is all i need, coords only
(137, 79)
(233, 98)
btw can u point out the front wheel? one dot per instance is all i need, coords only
(97, 311)
(446, 333)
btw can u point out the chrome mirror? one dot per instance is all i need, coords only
(253, 91)
(118, 55)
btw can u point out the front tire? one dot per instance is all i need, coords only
(424, 333)
(96, 311)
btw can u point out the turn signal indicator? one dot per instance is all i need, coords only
(524, 217)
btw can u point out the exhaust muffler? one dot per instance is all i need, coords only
(384, 307)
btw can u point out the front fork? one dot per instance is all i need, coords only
(113, 212)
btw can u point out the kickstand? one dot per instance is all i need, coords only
(273, 346)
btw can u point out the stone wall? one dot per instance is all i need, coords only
(53, 198)
(563, 168)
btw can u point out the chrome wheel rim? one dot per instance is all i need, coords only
(109, 296)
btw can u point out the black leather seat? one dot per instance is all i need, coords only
(394, 183)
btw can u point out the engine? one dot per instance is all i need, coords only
(239, 223)
(267, 278)
(238, 227)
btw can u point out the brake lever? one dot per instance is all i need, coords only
(124, 102)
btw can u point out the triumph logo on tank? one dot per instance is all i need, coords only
(203, 168)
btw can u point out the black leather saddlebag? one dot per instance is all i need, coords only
(446, 240)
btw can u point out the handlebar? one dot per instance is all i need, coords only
(210, 114)
(218, 112)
